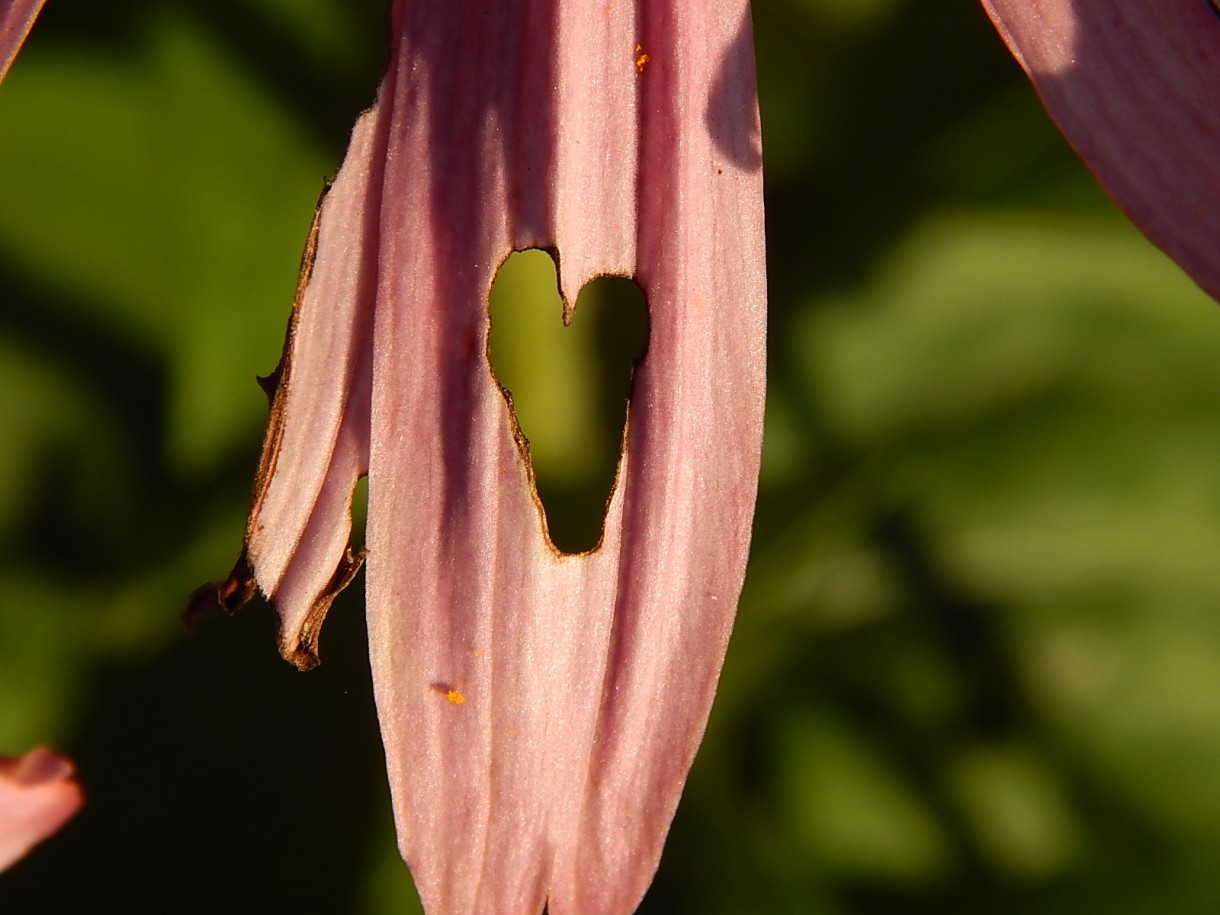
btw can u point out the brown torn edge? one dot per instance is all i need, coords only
(235, 591)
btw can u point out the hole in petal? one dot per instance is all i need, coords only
(569, 385)
(360, 514)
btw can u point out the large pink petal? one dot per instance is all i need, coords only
(539, 711)
(16, 19)
(1135, 87)
(37, 796)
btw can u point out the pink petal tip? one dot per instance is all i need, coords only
(1135, 88)
(37, 796)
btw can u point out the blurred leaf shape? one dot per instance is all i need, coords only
(171, 192)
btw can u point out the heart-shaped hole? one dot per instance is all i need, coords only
(569, 385)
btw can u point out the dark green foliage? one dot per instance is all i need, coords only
(977, 665)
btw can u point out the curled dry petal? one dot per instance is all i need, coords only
(1135, 88)
(539, 711)
(37, 796)
(16, 19)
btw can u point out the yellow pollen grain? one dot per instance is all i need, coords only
(455, 697)
(641, 59)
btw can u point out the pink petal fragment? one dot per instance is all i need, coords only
(16, 19)
(1135, 88)
(37, 796)
(539, 711)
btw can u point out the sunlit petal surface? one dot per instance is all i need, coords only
(16, 19)
(1135, 88)
(539, 710)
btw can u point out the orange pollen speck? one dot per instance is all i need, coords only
(455, 697)
(641, 59)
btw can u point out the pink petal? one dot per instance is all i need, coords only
(1135, 88)
(37, 796)
(539, 711)
(16, 19)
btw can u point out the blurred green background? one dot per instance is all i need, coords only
(977, 662)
